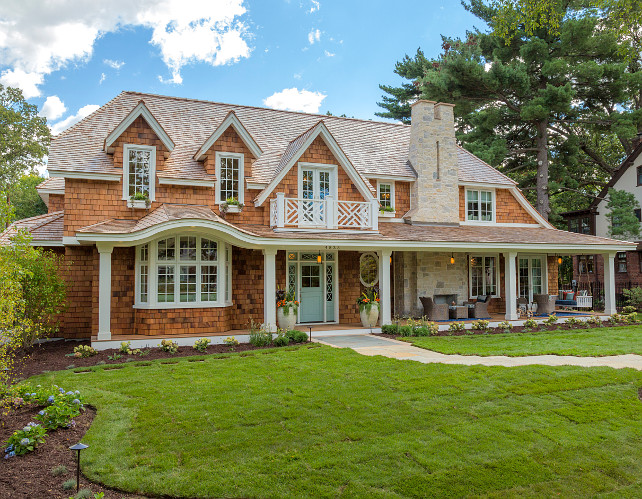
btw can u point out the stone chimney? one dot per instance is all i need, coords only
(434, 197)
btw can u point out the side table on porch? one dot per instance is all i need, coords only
(458, 312)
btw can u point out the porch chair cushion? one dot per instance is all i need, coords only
(434, 311)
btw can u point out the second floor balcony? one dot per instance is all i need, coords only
(327, 213)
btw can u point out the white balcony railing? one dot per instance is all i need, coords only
(323, 213)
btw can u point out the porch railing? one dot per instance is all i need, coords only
(325, 213)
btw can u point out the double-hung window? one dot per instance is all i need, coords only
(621, 262)
(183, 271)
(483, 276)
(479, 206)
(139, 171)
(229, 176)
(386, 193)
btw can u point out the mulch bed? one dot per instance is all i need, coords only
(516, 329)
(51, 356)
(30, 476)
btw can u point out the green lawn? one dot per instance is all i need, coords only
(580, 342)
(325, 422)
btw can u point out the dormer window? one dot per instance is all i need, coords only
(386, 193)
(139, 172)
(479, 206)
(229, 175)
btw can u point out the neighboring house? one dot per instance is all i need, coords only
(588, 270)
(311, 188)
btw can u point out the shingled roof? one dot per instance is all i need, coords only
(374, 148)
(46, 228)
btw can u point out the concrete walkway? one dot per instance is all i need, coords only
(366, 344)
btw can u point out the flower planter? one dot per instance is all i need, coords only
(370, 317)
(386, 214)
(286, 321)
(139, 204)
(233, 208)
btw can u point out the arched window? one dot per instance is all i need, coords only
(183, 271)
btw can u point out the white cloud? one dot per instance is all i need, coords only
(293, 99)
(37, 38)
(315, 6)
(114, 64)
(103, 77)
(328, 54)
(53, 108)
(314, 36)
(83, 112)
(297, 76)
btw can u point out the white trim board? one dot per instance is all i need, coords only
(140, 110)
(186, 181)
(107, 177)
(231, 120)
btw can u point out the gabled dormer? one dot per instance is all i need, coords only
(139, 145)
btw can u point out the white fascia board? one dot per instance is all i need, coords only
(517, 194)
(389, 178)
(342, 159)
(140, 110)
(255, 185)
(51, 191)
(47, 243)
(186, 181)
(233, 121)
(486, 185)
(107, 177)
(497, 224)
(240, 238)
(70, 241)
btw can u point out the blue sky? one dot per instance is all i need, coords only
(314, 56)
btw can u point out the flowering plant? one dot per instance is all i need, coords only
(84, 351)
(25, 440)
(367, 300)
(201, 344)
(287, 301)
(168, 346)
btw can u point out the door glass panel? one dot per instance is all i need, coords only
(536, 275)
(310, 276)
(523, 277)
(324, 184)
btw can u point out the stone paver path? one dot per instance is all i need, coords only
(366, 344)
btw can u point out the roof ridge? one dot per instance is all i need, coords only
(105, 105)
(484, 162)
(56, 216)
(339, 118)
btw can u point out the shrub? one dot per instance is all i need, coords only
(629, 309)
(61, 412)
(231, 342)
(633, 297)
(297, 336)
(168, 346)
(456, 327)
(530, 324)
(505, 326)
(84, 351)
(69, 484)
(551, 320)
(201, 344)
(389, 329)
(26, 440)
(594, 320)
(481, 325)
(616, 319)
(433, 328)
(574, 321)
(632, 318)
(281, 339)
(125, 347)
(59, 470)
(405, 331)
(260, 337)
(421, 331)
(83, 494)
(114, 357)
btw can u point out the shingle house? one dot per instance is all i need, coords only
(186, 216)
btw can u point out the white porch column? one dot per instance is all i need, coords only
(384, 286)
(104, 292)
(609, 284)
(269, 288)
(510, 278)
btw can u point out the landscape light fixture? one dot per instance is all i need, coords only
(78, 447)
(310, 328)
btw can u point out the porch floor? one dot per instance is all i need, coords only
(242, 335)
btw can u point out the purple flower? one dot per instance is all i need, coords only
(75, 401)
(50, 399)
(61, 390)
(42, 413)
(69, 393)
(24, 442)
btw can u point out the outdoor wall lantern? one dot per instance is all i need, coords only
(319, 257)
(452, 258)
(78, 447)
(559, 260)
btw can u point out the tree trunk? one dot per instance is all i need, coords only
(543, 205)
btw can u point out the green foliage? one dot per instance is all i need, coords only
(481, 325)
(231, 341)
(26, 440)
(633, 297)
(530, 324)
(621, 206)
(594, 320)
(83, 494)
(84, 351)
(69, 484)
(297, 336)
(24, 137)
(25, 199)
(59, 470)
(201, 344)
(281, 339)
(367, 300)
(456, 327)
(389, 328)
(551, 320)
(387, 209)
(574, 321)
(629, 309)
(125, 347)
(114, 357)
(261, 337)
(505, 326)
(168, 346)
(405, 331)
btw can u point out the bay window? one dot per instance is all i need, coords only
(479, 206)
(483, 276)
(139, 171)
(183, 271)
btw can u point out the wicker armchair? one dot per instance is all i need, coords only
(545, 304)
(479, 309)
(434, 311)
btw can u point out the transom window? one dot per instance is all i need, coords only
(483, 275)
(479, 206)
(229, 172)
(386, 194)
(139, 166)
(182, 271)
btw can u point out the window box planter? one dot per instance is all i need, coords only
(139, 204)
(386, 214)
(234, 208)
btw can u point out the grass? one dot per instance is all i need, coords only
(579, 342)
(325, 422)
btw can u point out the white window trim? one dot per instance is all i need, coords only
(497, 274)
(223, 279)
(152, 170)
(493, 201)
(334, 180)
(241, 158)
(392, 192)
(544, 261)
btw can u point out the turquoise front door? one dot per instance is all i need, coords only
(311, 293)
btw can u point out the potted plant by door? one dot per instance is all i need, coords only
(286, 310)
(368, 308)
